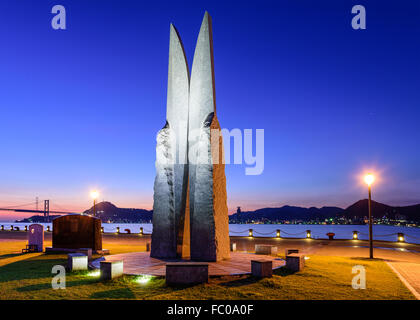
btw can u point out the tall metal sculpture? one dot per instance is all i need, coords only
(190, 215)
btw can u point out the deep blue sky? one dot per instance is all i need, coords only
(80, 108)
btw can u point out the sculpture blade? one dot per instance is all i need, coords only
(169, 239)
(207, 182)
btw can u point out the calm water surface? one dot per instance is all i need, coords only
(380, 232)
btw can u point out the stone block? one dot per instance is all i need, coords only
(111, 269)
(86, 251)
(265, 249)
(288, 251)
(262, 268)
(295, 262)
(233, 247)
(186, 273)
(77, 261)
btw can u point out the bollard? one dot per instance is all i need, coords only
(118, 229)
(400, 237)
(141, 231)
(330, 235)
(148, 246)
(251, 233)
(2, 227)
(278, 233)
(102, 229)
(26, 228)
(308, 234)
(355, 235)
(48, 228)
(11, 228)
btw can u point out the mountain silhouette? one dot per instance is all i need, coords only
(107, 211)
(357, 212)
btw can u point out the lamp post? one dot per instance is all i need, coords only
(369, 178)
(94, 194)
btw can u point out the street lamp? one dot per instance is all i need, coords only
(369, 179)
(94, 194)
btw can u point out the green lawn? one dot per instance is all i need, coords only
(29, 277)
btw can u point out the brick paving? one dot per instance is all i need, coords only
(136, 263)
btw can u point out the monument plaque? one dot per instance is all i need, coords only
(76, 231)
(36, 236)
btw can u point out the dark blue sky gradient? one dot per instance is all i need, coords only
(80, 108)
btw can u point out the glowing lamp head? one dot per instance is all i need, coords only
(94, 194)
(400, 237)
(369, 179)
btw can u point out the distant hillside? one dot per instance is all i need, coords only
(379, 210)
(107, 211)
(356, 212)
(38, 219)
(287, 213)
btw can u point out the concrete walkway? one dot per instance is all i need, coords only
(409, 274)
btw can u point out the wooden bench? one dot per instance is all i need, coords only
(262, 268)
(186, 273)
(30, 248)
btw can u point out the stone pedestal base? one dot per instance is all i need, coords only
(186, 273)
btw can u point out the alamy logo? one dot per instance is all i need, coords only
(59, 280)
(59, 20)
(241, 142)
(359, 20)
(359, 280)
